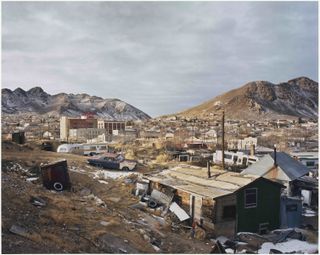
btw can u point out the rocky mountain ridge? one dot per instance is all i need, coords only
(36, 100)
(262, 99)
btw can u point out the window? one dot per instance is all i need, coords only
(229, 212)
(310, 163)
(250, 198)
(227, 156)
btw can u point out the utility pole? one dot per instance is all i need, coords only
(223, 140)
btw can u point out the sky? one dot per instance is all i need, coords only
(161, 57)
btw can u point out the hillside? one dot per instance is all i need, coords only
(262, 99)
(38, 101)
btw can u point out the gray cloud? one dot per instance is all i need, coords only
(162, 57)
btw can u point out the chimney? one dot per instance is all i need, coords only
(275, 155)
(208, 165)
(252, 149)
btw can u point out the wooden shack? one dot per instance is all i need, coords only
(224, 203)
(55, 175)
(18, 137)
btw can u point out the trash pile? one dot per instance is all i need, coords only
(276, 242)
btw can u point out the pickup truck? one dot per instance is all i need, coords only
(113, 161)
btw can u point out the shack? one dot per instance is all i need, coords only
(55, 175)
(222, 202)
(18, 137)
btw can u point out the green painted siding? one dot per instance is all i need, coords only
(266, 211)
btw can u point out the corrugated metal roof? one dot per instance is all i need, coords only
(195, 181)
(261, 167)
(291, 167)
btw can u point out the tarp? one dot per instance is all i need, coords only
(177, 210)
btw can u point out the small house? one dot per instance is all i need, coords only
(222, 202)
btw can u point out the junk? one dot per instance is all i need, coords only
(20, 231)
(32, 179)
(37, 201)
(152, 203)
(252, 239)
(283, 235)
(218, 248)
(178, 211)
(141, 187)
(161, 197)
(128, 181)
(47, 146)
(55, 175)
(275, 251)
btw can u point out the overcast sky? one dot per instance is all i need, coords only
(161, 57)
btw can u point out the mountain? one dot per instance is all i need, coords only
(262, 99)
(36, 100)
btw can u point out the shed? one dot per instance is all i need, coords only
(55, 175)
(18, 137)
(225, 203)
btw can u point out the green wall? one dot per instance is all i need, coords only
(267, 210)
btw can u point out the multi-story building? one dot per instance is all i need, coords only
(110, 125)
(75, 123)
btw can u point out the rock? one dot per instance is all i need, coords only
(74, 228)
(200, 234)
(90, 209)
(122, 250)
(105, 223)
(37, 201)
(21, 231)
(146, 237)
(114, 199)
(141, 231)
(128, 181)
(85, 192)
(156, 248)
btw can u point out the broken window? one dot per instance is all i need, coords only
(250, 198)
(229, 212)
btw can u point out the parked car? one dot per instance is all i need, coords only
(113, 161)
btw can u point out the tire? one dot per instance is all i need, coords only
(152, 203)
(58, 186)
(125, 168)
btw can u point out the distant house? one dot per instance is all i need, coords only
(224, 203)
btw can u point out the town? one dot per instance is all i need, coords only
(179, 171)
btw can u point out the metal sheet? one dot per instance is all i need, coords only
(161, 197)
(177, 210)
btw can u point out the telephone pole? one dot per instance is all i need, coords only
(223, 140)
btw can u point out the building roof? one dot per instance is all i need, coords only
(291, 167)
(195, 181)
